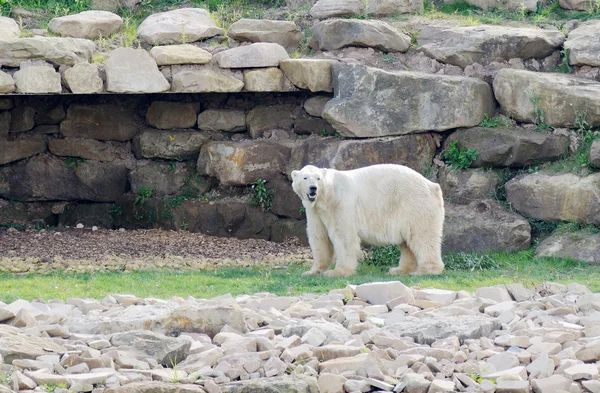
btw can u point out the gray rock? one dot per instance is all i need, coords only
(7, 83)
(227, 120)
(583, 49)
(463, 46)
(354, 114)
(19, 149)
(383, 292)
(311, 74)
(283, 384)
(179, 54)
(9, 29)
(484, 226)
(314, 105)
(205, 80)
(268, 79)
(55, 50)
(465, 186)
(426, 330)
(131, 70)
(166, 115)
(178, 26)
(169, 351)
(283, 33)
(549, 197)
(264, 118)
(393, 7)
(36, 79)
(99, 121)
(89, 149)
(595, 154)
(83, 78)
(509, 5)
(324, 9)
(341, 33)
(253, 55)
(86, 24)
(155, 387)
(162, 177)
(578, 245)
(14, 344)
(173, 145)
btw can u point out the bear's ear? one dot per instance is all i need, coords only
(294, 174)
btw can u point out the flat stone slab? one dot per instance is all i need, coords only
(310, 74)
(205, 80)
(178, 26)
(131, 70)
(583, 44)
(37, 79)
(580, 246)
(14, 344)
(83, 78)
(324, 9)
(283, 33)
(260, 54)
(55, 50)
(463, 46)
(179, 54)
(21, 148)
(446, 102)
(341, 33)
(86, 24)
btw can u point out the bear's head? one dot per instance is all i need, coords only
(308, 183)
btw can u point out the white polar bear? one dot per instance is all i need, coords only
(384, 204)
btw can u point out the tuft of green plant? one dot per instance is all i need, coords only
(383, 256)
(98, 58)
(262, 195)
(564, 66)
(323, 132)
(493, 122)
(6, 378)
(117, 210)
(539, 113)
(471, 262)
(388, 59)
(172, 166)
(459, 157)
(143, 194)
(73, 162)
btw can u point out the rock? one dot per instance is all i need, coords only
(131, 70)
(463, 46)
(341, 33)
(86, 24)
(551, 197)
(19, 149)
(103, 122)
(383, 292)
(314, 105)
(466, 186)
(88, 215)
(283, 33)
(551, 384)
(354, 84)
(509, 386)
(22, 118)
(512, 147)
(510, 5)
(45, 177)
(516, 91)
(36, 79)
(7, 83)
(582, 49)
(155, 387)
(83, 78)
(416, 383)
(205, 81)
(264, 118)
(518, 292)
(9, 29)
(311, 74)
(179, 54)
(582, 371)
(426, 330)
(227, 120)
(162, 177)
(14, 344)
(166, 115)
(282, 384)
(414, 151)
(12, 213)
(54, 115)
(542, 367)
(173, 145)
(503, 361)
(393, 7)
(324, 9)
(253, 55)
(55, 50)
(283, 230)
(441, 386)
(331, 383)
(266, 80)
(580, 246)
(595, 154)
(308, 125)
(178, 26)
(484, 226)
(167, 350)
(242, 163)
(440, 296)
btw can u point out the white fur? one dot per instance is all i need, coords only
(378, 205)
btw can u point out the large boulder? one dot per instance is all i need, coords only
(283, 33)
(179, 54)
(393, 7)
(131, 70)
(311, 74)
(166, 115)
(415, 151)
(324, 9)
(178, 26)
(162, 177)
(21, 148)
(86, 24)
(227, 120)
(37, 79)
(532, 96)
(9, 29)
(463, 46)
(263, 118)
(55, 50)
(483, 226)
(205, 80)
(466, 186)
(143, 344)
(444, 102)
(89, 214)
(512, 147)
(83, 78)
(242, 163)
(582, 45)
(340, 33)
(581, 246)
(561, 197)
(579, 5)
(89, 149)
(7, 83)
(46, 177)
(22, 118)
(172, 145)
(261, 54)
(103, 122)
(19, 213)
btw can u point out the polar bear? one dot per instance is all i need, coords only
(384, 204)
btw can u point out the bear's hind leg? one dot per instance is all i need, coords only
(429, 259)
(408, 262)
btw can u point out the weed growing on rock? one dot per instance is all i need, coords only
(496, 121)
(73, 162)
(262, 195)
(172, 166)
(541, 227)
(539, 113)
(564, 66)
(458, 157)
(383, 256)
(143, 194)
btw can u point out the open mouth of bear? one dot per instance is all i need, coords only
(311, 197)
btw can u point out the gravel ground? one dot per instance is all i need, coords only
(142, 246)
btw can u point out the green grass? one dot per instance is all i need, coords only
(464, 272)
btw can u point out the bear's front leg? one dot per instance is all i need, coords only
(346, 245)
(320, 244)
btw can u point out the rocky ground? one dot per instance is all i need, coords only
(372, 337)
(80, 250)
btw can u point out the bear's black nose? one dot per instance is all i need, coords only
(313, 189)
